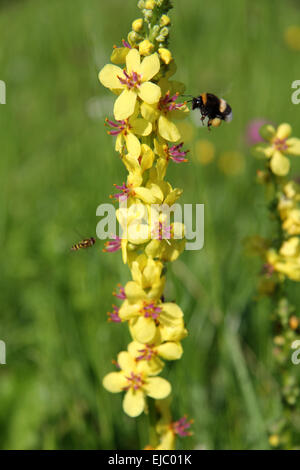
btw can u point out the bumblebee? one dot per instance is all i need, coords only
(86, 243)
(214, 108)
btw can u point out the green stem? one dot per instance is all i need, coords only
(153, 438)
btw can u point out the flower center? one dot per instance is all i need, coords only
(135, 381)
(147, 353)
(168, 103)
(151, 310)
(133, 80)
(280, 145)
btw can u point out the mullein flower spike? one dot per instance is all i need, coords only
(147, 138)
(281, 263)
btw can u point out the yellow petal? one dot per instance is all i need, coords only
(149, 112)
(283, 131)
(149, 92)
(143, 329)
(133, 61)
(114, 382)
(147, 157)
(141, 126)
(125, 104)
(158, 388)
(128, 310)
(170, 351)
(293, 146)
(280, 165)
(172, 310)
(150, 67)
(119, 147)
(134, 292)
(145, 195)
(138, 233)
(134, 403)
(167, 129)
(133, 145)
(119, 55)
(126, 361)
(108, 76)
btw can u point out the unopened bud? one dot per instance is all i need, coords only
(137, 25)
(146, 47)
(165, 20)
(150, 4)
(165, 55)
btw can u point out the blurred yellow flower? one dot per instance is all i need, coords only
(204, 151)
(231, 163)
(279, 144)
(292, 37)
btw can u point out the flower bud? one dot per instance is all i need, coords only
(133, 38)
(165, 55)
(145, 47)
(150, 4)
(137, 25)
(165, 20)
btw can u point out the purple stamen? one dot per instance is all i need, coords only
(124, 194)
(147, 353)
(113, 245)
(151, 311)
(126, 44)
(114, 315)
(121, 294)
(180, 427)
(135, 381)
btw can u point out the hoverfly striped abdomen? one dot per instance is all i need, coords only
(86, 243)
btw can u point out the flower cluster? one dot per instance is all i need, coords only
(281, 263)
(144, 119)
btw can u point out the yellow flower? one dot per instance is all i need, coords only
(148, 280)
(166, 110)
(138, 165)
(280, 144)
(231, 163)
(149, 354)
(132, 82)
(146, 316)
(126, 132)
(204, 151)
(134, 380)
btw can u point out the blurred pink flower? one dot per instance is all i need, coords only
(252, 131)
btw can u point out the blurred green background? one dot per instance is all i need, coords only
(58, 164)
